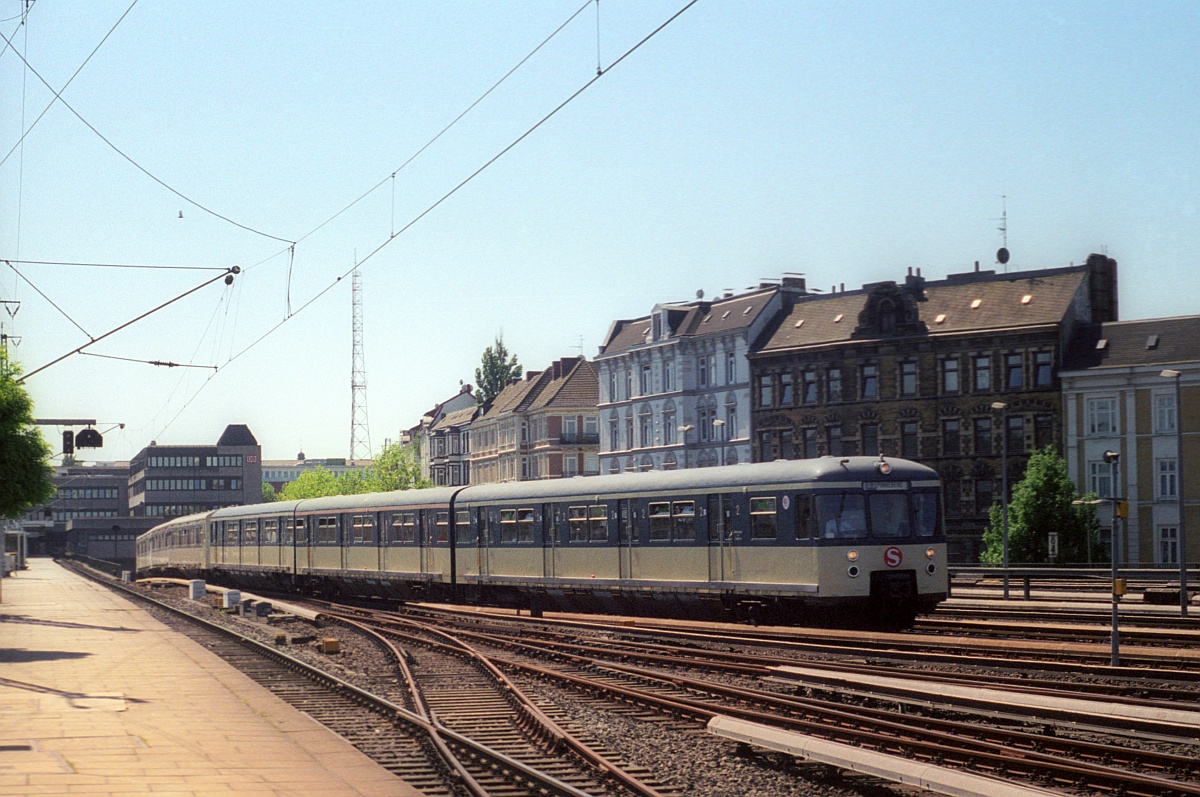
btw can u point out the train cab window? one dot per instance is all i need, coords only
(925, 511)
(764, 522)
(442, 525)
(404, 527)
(231, 532)
(660, 521)
(327, 529)
(524, 525)
(889, 515)
(508, 525)
(803, 516)
(364, 528)
(270, 530)
(251, 532)
(598, 523)
(462, 527)
(841, 515)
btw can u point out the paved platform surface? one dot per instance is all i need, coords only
(99, 698)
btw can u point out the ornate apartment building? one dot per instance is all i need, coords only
(541, 427)
(961, 374)
(675, 384)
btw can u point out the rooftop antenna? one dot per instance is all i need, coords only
(1002, 254)
(360, 434)
(579, 346)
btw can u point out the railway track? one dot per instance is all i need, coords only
(606, 670)
(418, 745)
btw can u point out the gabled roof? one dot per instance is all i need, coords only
(457, 418)
(516, 396)
(693, 319)
(1154, 341)
(946, 307)
(579, 387)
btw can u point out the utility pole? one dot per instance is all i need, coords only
(360, 435)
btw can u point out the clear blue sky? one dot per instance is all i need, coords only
(846, 141)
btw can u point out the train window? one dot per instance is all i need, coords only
(660, 521)
(684, 515)
(404, 527)
(803, 516)
(364, 528)
(764, 523)
(462, 527)
(251, 529)
(212, 534)
(598, 523)
(889, 515)
(271, 531)
(925, 510)
(508, 525)
(327, 529)
(841, 515)
(577, 517)
(443, 526)
(524, 525)
(231, 532)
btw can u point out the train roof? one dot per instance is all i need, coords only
(759, 474)
(341, 503)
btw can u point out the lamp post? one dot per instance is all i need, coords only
(719, 425)
(1003, 408)
(1112, 458)
(1171, 373)
(683, 430)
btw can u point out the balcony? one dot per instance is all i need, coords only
(578, 439)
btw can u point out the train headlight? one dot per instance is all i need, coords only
(852, 556)
(929, 552)
(852, 571)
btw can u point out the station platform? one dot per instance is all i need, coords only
(99, 698)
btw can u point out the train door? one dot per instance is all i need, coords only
(483, 543)
(625, 538)
(549, 542)
(720, 537)
(425, 535)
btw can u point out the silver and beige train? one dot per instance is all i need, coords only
(830, 537)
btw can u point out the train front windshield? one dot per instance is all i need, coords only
(891, 515)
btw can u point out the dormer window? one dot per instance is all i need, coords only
(657, 326)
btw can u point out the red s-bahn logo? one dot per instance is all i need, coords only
(893, 556)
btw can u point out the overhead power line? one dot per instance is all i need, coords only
(114, 265)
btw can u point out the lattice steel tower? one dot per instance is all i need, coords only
(360, 434)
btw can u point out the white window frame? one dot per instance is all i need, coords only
(1100, 479)
(1166, 545)
(1102, 416)
(1165, 416)
(1166, 478)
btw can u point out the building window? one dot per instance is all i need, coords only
(950, 383)
(983, 374)
(870, 381)
(705, 418)
(656, 325)
(570, 465)
(908, 379)
(730, 367)
(870, 439)
(613, 390)
(704, 370)
(909, 439)
(629, 431)
(1100, 479)
(785, 389)
(646, 381)
(810, 386)
(1166, 478)
(669, 428)
(1168, 545)
(668, 369)
(984, 495)
(731, 426)
(766, 451)
(1043, 372)
(766, 397)
(951, 437)
(983, 435)
(614, 434)
(833, 384)
(645, 428)
(1014, 372)
(787, 448)
(1014, 434)
(1043, 431)
(834, 433)
(809, 437)
(1102, 416)
(1164, 414)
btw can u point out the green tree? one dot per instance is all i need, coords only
(268, 493)
(315, 483)
(396, 468)
(26, 478)
(1042, 503)
(496, 370)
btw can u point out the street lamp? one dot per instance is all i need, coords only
(720, 427)
(1171, 373)
(1003, 408)
(683, 430)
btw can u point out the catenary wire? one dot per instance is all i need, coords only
(163, 363)
(114, 265)
(41, 293)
